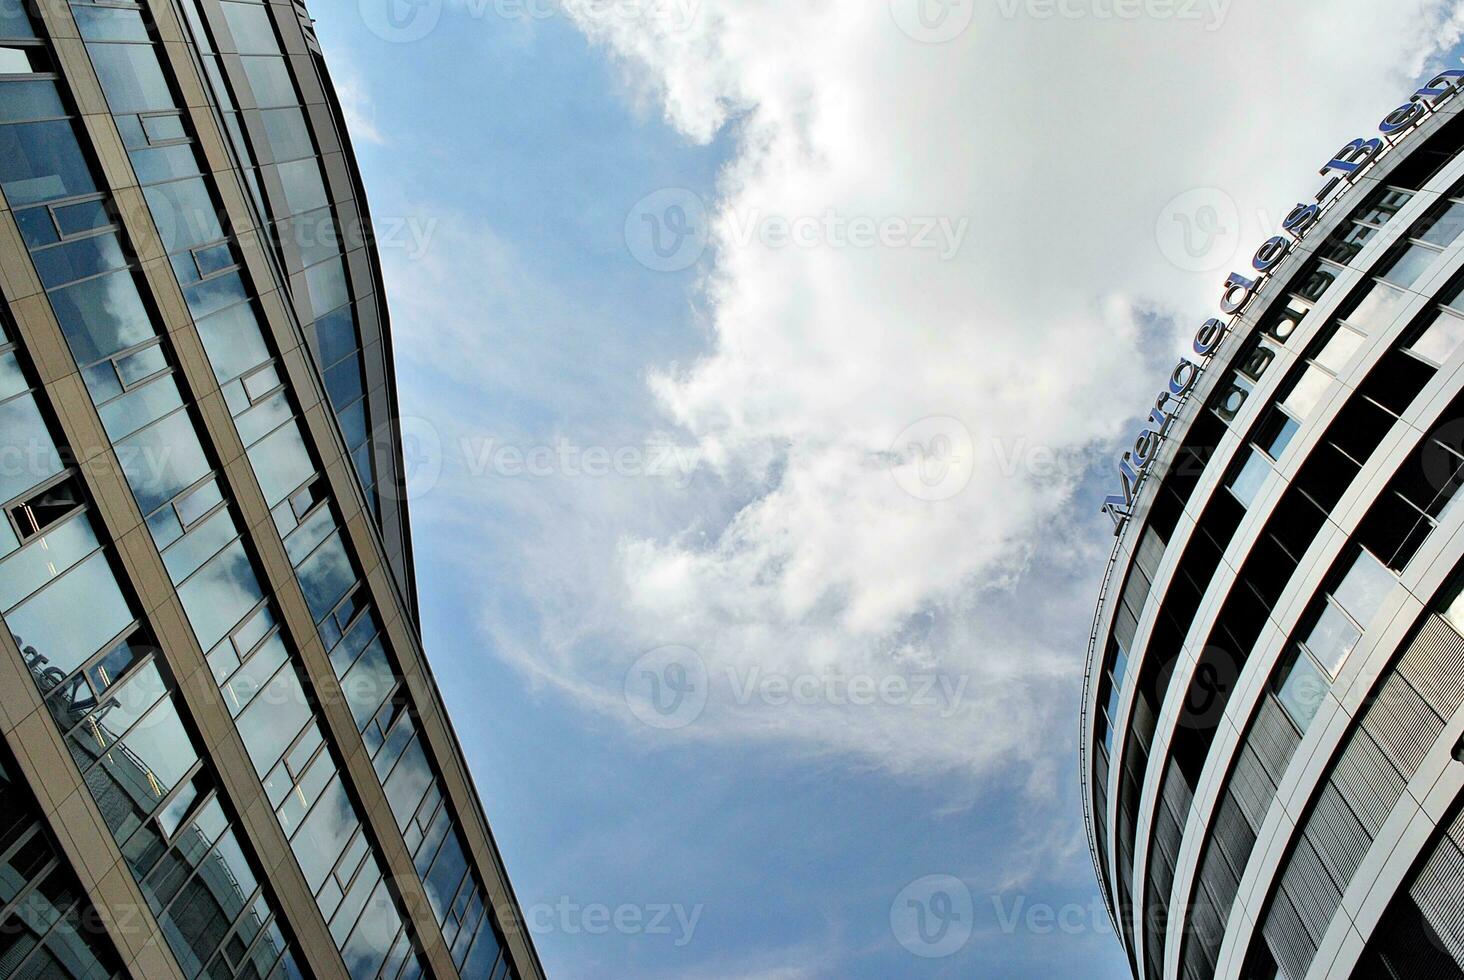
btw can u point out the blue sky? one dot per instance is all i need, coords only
(760, 399)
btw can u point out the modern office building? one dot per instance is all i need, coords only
(1271, 732)
(223, 750)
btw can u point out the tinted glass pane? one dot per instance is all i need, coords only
(327, 285)
(233, 341)
(1377, 309)
(280, 463)
(131, 77)
(184, 214)
(79, 260)
(1249, 479)
(304, 187)
(1364, 587)
(1332, 638)
(161, 460)
(1307, 391)
(253, 33)
(21, 101)
(335, 333)
(27, 454)
(325, 576)
(219, 594)
(1441, 339)
(1339, 350)
(13, 20)
(270, 82)
(1302, 690)
(48, 620)
(109, 24)
(102, 316)
(273, 719)
(289, 138)
(41, 162)
(164, 162)
(1446, 227)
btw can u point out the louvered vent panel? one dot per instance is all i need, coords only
(1439, 892)
(1368, 781)
(1273, 738)
(1403, 725)
(1253, 789)
(1337, 834)
(1434, 665)
(1311, 888)
(1288, 939)
(1233, 833)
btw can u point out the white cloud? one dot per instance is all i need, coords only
(1060, 139)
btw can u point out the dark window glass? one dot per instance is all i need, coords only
(42, 162)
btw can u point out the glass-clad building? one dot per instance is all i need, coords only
(1272, 734)
(223, 752)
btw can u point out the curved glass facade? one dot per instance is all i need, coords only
(1276, 674)
(205, 571)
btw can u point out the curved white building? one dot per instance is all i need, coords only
(1272, 722)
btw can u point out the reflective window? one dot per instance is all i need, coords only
(289, 138)
(219, 594)
(184, 213)
(28, 456)
(102, 316)
(48, 620)
(42, 162)
(161, 461)
(253, 33)
(131, 77)
(304, 187)
(270, 81)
